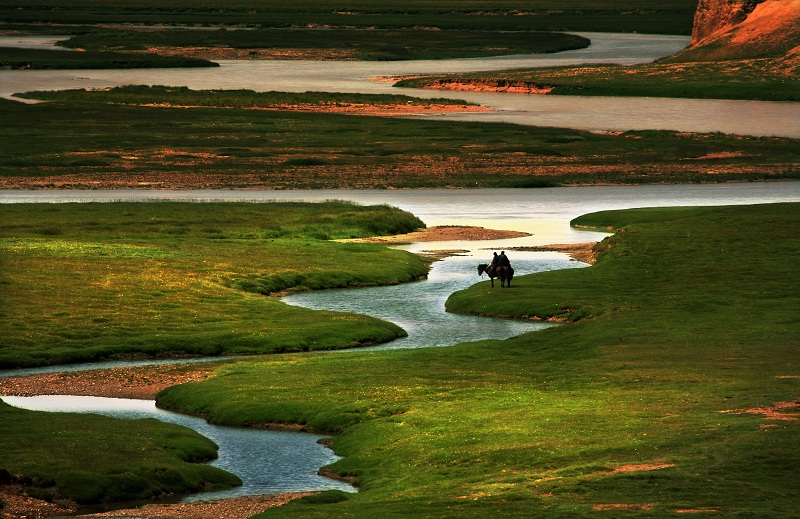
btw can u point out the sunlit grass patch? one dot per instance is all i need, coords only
(167, 278)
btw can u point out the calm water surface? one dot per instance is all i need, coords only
(268, 462)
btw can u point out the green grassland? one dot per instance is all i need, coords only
(75, 141)
(688, 319)
(735, 79)
(82, 282)
(90, 459)
(353, 44)
(33, 59)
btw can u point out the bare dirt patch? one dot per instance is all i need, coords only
(142, 382)
(368, 109)
(18, 505)
(622, 506)
(642, 467)
(479, 85)
(444, 233)
(235, 508)
(781, 411)
(584, 252)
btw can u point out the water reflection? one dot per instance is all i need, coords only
(268, 462)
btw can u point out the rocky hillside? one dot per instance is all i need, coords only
(746, 29)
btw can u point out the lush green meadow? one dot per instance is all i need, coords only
(82, 282)
(676, 389)
(85, 139)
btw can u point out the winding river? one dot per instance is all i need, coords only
(758, 118)
(272, 462)
(269, 461)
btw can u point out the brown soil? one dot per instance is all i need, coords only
(444, 233)
(513, 87)
(781, 411)
(642, 467)
(235, 508)
(17, 505)
(622, 506)
(142, 382)
(370, 109)
(584, 252)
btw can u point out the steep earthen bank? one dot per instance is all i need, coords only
(746, 29)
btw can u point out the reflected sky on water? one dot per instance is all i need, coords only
(268, 462)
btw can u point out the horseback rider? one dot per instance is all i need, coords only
(502, 260)
(493, 264)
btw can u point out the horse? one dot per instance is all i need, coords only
(504, 273)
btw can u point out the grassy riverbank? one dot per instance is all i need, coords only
(342, 43)
(32, 59)
(755, 58)
(676, 390)
(241, 139)
(82, 282)
(89, 458)
(735, 79)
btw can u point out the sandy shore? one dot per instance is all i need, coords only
(444, 233)
(141, 382)
(584, 252)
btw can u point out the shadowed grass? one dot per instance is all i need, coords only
(90, 459)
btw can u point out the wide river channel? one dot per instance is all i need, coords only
(272, 462)
(759, 118)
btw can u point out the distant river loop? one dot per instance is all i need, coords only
(757, 118)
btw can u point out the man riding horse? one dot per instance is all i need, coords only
(499, 267)
(500, 260)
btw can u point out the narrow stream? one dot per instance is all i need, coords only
(418, 307)
(268, 462)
